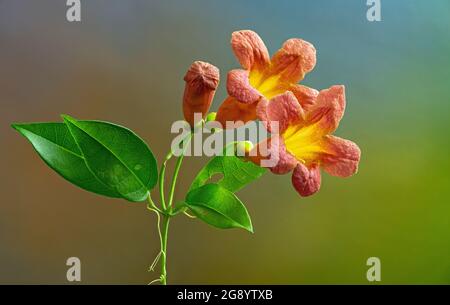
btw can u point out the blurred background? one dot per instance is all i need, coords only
(124, 62)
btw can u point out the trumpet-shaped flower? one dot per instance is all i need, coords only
(201, 80)
(304, 143)
(263, 77)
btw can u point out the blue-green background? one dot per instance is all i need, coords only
(125, 62)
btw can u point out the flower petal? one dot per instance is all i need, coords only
(272, 153)
(295, 58)
(306, 180)
(283, 110)
(306, 96)
(250, 50)
(328, 109)
(342, 157)
(201, 80)
(233, 110)
(238, 86)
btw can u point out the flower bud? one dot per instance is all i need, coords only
(201, 80)
(243, 148)
(211, 117)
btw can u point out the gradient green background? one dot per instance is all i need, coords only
(125, 62)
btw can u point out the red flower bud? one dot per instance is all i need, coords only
(201, 80)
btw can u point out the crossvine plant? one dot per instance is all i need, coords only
(111, 160)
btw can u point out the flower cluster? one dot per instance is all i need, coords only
(268, 89)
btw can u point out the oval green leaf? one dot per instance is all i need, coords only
(218, 207)
(116, 156)
(55, 145)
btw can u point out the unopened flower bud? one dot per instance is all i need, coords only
(243, 148)
(211, 116)
(201, 80)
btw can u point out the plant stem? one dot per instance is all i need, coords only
(165, 231)
(174, 180)
(166, 208)
(177, 169)
(162, 174)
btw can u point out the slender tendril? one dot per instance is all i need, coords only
(189, 215)
(155, 261)
(154, 281)
(158, 218)
(151, 205)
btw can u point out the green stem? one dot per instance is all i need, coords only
(185, 143)
(162, 178)
(174, 180)
(165, 231)
(166, 209)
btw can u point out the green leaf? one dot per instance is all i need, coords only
(116, 156)
(236, 172)
(55, 145)
(218, 207)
